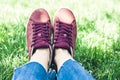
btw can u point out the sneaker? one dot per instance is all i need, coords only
(38, 31)
(65, 30)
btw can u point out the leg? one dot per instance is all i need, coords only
(61, 56)
(42, 57)
(39, 48)
(65, 31)
(68, 68)
(36, 69)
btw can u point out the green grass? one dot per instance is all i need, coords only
(98, 38)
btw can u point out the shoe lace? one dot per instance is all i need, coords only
(63, 33)
(40, 34)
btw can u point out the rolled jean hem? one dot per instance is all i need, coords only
(30, 71)
(72, 70)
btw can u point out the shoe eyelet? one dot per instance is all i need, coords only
(39, 34)
(65, 35)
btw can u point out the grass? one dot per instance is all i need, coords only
(98, 39)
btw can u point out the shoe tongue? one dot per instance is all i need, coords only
(63, 45)
(40, 45)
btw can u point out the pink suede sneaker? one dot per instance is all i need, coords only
(38, 31)
(65, 30)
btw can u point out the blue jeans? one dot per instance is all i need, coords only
(71, 70)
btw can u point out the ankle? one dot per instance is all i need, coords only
(41, 56)
(61, 56)
(61, 51)
(43, 50)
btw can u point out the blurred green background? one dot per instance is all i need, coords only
(98, 39)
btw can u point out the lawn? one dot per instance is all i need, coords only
(98, 38)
